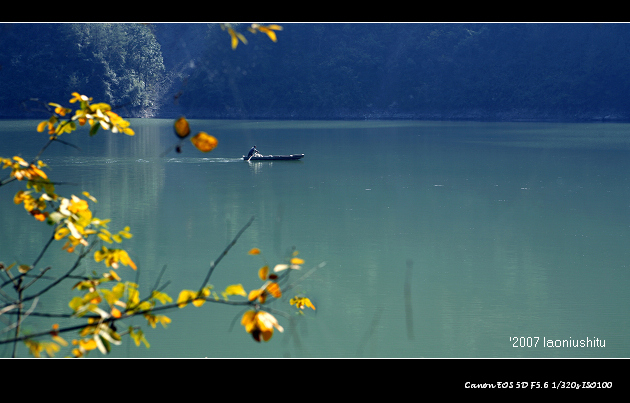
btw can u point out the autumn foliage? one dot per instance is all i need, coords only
(103, 301)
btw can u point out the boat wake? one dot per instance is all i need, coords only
(86, 160)
(201, 160)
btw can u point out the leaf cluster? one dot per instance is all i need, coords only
(72, 221)
(105, 300)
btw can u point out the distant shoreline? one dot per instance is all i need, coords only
(515, 115)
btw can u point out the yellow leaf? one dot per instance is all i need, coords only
(111, 298)
(182, 129)
(274, 289)
(20, 160)
(275, 27)
(99, 254)
(152, 319)
(162, 297)
(297, 260)
(85, 285)
(186, 296)
(60, 340)
(34, 347)
(204, 142)
(134, 295)
(164, 320)
(89, 196)
(235, 37)
(260, 324)
(235, 289)
(155, 319)
(119, 289)
(254, 251)
(253, 294)
(263, 273)
(66, 127)
(105, 237)
(125, 233)
(200, 301)
(138, 337)
(7, 268)
(248, 320)
(76, 303)
(302, 302)
(87, 345)
(270, 33)
(126, 260)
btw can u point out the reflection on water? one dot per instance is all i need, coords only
(514, 230)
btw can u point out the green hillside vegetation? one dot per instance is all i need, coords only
(325, 71)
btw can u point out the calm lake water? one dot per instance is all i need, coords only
(441, 239)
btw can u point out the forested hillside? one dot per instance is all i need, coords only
(324, 71)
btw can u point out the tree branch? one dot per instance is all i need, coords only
(225, 251)
(41, 254)
(60, 279)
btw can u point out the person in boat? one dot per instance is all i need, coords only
(253, 151)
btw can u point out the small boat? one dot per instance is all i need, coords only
(258, 157)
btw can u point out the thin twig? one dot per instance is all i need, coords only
(131, 314)
(44, 315)
(41, 254)
(73, 268)
(305, 275)
(12, 280)
(7, 309)
(125, 316)
(19, 321)
(159, 278)
(7, 179)
(19, 316)
(68, 144)
(31, 309)
(4, 296)
(49, 142)
(225, 251)
(37, 277)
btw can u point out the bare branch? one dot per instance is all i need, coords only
(305, 275)
(66, 275)
(225, 251)
(21, 317)
(7, 308)
(37, 277)
(41, 254)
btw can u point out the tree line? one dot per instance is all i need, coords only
(326, 71)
